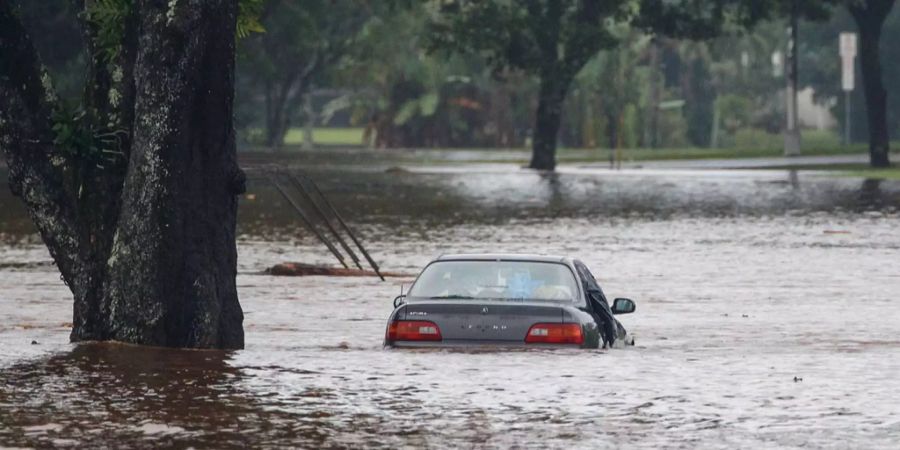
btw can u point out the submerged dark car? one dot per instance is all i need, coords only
(508, 300)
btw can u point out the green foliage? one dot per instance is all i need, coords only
(707, 19)
(423, 106)
(327, 136)
(79, 140)
(630, 126)
(302, 44)
(534, 36)
(107, 19)
(248, 20)
(755, 138)
(672, 129)
(734, 112)
(613, 80)
(821, 70)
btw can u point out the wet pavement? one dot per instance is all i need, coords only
(746, 163)
(767, 317)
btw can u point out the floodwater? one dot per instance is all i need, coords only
(767, 317)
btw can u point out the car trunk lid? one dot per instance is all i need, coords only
(484, 321)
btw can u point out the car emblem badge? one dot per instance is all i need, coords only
(484, 310)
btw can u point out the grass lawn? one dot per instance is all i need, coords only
(750, 145)
(892, 173)
(850, 170)
(645, 154)
(815, 143)
(327, 136)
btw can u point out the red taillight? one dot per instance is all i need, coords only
(555, 333)
(413, 330)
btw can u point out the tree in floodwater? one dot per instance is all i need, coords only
(134, 190)
(870, 16)
(554, 39)
(550, 39)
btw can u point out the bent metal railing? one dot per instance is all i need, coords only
(315, 201)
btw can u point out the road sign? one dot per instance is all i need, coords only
(847, 74)
(777, 64)
(848, 45)
(848, 55)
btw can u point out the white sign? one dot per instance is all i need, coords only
(848, 45)
(847, 74)
(848, 55)
(777, 64)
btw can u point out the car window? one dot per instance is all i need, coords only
(590, 283)
(497, 280)
(586, 276)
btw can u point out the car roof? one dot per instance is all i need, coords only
(503, 257)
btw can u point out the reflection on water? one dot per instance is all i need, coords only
(49, 400)
(742, 282)
(870, 195)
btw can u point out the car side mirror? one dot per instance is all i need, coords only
(399, 300)
(623, 306)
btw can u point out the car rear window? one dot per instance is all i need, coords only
(496, 280)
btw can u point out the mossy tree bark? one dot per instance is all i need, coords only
(141, 220)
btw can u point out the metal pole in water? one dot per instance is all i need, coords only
(847, 118)
(792, 129)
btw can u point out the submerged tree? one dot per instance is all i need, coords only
(551, 39)
(134, 190)
(554, 39)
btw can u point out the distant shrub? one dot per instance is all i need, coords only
(821, 139)
(755, 138)
(631, 127)
(734, 112)
(672, 129)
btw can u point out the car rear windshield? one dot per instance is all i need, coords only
(496, 280)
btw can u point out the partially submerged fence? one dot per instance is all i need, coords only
(318, 215)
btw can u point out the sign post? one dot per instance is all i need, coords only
(848, 55)
(792, 121)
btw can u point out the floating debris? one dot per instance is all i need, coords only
(303, 270)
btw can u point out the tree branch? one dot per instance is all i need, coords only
(586, 38)
(26, 137)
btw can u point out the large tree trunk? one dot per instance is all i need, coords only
(869, 17)
(148, 245)
(546, 122)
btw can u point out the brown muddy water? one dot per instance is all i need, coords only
(768, 316)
